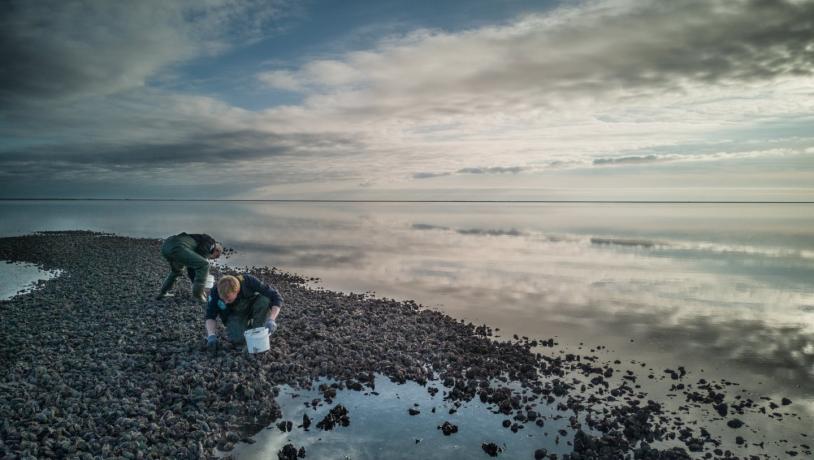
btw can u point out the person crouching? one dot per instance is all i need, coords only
(242, 302)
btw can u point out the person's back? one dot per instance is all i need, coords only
(189, 251)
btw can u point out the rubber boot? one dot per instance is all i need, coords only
(169, 282)
(198, 291)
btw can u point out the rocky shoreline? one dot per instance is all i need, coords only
(94, 367)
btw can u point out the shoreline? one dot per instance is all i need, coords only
(139, 379)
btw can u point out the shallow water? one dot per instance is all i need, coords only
(723, 289)
(16, 278)
(381, 427)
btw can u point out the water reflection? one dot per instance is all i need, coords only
(724, 288)
(381, 427)
(20, 277)
(315, 255)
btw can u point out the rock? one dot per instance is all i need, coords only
(491, 449)
(288, 452)
(448, 428)
(734, 423)
(165, 398)
(336, 416)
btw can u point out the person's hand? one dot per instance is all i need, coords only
(212, 342)
(271, 325)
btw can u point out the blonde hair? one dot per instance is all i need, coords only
(228, 284)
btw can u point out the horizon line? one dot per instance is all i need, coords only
(271, 200)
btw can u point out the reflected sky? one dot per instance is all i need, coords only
(380, 426)
(723, 288)
(18, 277)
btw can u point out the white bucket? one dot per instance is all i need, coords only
(257, 340)
(210, 281)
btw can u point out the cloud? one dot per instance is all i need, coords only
(627, 160)
(490, 232)
(307, 255)
(86, 91)
(218, 150)
(428, 227)
(492, 170)
(638, 76)
(429, 175)
(62, 50)
(281, 79)
(596, 49)
(472, 170)
(709, 154)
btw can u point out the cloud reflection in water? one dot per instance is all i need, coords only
(724, 288)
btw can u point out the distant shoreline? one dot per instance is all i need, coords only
(238, 200)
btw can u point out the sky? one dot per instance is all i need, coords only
(422, 100)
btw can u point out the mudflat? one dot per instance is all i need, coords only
(94, 366)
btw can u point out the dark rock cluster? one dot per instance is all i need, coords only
(338, 416)
(448, 428)
(94, 367)
(290, 452)
(491, 449)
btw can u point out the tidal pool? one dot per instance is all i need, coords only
(17, 278)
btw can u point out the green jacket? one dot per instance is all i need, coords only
(188, 251)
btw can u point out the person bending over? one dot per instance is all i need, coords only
(242, 302)
(189, 251)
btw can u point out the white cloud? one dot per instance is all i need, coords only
(600, 50)
(281, 79)
(589, 82)
(331, 73)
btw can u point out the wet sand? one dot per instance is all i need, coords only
(94, 367)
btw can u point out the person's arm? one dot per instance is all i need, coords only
(212, 312)
(255, 285)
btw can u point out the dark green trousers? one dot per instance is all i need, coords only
(245, 314)
(179, 251)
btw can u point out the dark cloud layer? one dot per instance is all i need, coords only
(490, 232)
(64, 49)
(492, 170)
(212, 148)
(216, 159)
(472, 170)
(430, 175)
(663, 44)
(58, 50)
(627, 160)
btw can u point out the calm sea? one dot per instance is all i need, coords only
(725, 290)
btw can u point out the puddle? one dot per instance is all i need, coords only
(380, 426)
(18, 278)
